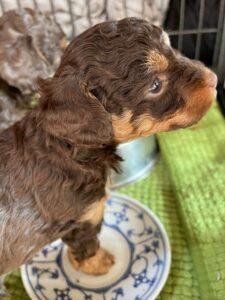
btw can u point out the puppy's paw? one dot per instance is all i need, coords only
(98, 264)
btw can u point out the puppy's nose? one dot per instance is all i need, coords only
(211, 79)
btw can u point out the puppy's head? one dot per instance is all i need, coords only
(128, 71)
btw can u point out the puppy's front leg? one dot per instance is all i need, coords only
(84, 252)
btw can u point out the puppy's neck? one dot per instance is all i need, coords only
(106, 156)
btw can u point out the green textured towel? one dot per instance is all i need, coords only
(196, 163)
(186, 190)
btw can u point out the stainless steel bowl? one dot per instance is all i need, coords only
(139, 158)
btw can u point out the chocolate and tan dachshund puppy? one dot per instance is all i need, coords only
(117, 81)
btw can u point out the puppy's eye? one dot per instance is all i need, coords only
(156, 86)
(97, 92)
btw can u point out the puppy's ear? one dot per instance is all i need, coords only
(70, 114)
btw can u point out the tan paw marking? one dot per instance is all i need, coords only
(98, 264)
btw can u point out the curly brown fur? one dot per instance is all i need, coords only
(55, 162)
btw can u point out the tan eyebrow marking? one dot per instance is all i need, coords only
(157, 61)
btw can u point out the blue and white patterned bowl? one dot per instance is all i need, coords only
(141, 248)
